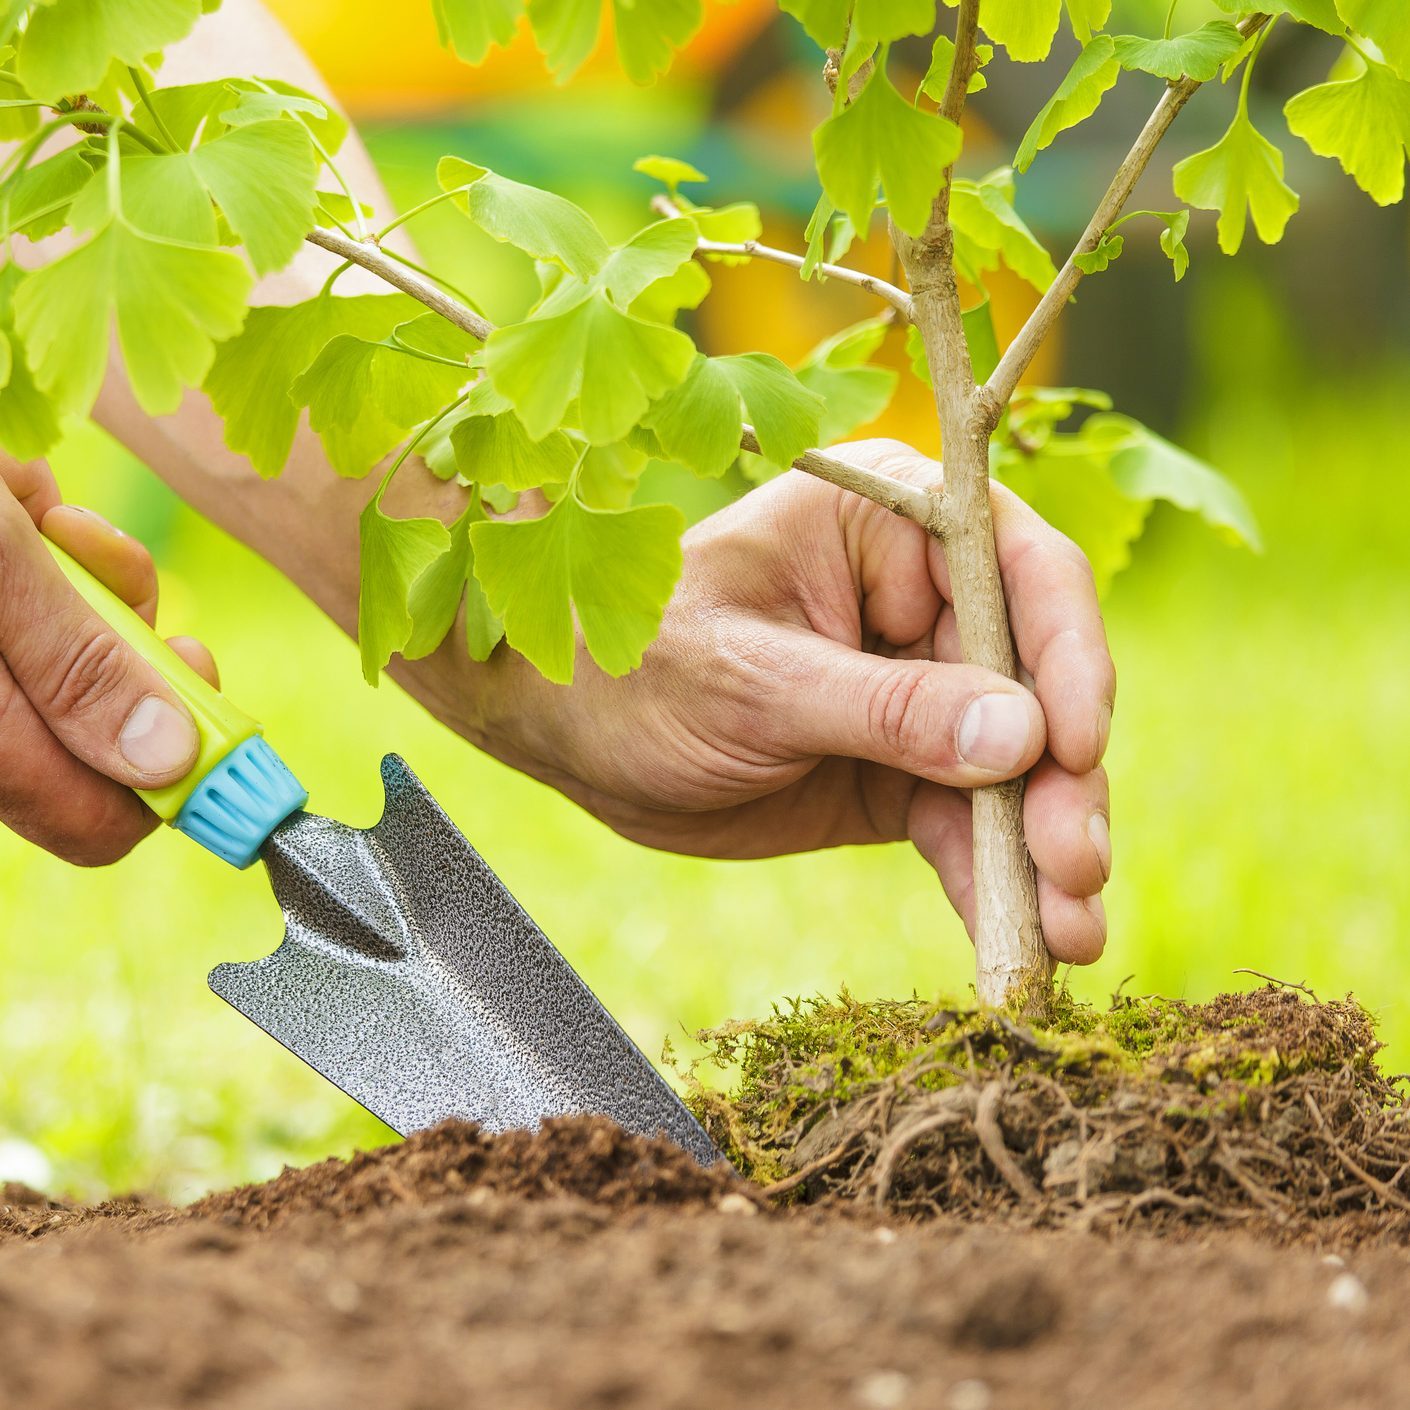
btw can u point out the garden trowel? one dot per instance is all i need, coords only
(408, 976)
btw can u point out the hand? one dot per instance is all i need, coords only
(83, 718)
(804, 693)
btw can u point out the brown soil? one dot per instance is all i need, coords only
(586, 1268)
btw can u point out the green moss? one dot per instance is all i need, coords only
(817, 1055)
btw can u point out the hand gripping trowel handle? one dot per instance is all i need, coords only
(239, 790)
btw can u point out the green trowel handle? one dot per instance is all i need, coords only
(221, 726)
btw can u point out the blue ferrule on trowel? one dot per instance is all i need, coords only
(240, 802)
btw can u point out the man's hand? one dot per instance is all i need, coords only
(83, 718)
(804, 693)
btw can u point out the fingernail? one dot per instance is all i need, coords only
(1103, 730)
(1099, 830)
(158, 738)
(994, 733)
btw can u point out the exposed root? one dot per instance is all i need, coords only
(1260, 1107)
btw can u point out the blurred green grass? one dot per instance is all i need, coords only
(1261, 800)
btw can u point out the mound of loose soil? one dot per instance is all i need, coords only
(452, 1272)
(581, 1267)
(1261, 1108)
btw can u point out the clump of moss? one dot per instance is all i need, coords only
(929, 1106)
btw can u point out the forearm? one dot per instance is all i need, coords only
(305, 522)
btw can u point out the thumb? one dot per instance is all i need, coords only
(956, 725)
(99, 698)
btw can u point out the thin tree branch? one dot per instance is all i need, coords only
(370, 258)
(966, 60)
(1020, 353)
(752, 249)
(907, 501)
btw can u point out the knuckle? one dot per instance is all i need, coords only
(92, 679)
(897, 712)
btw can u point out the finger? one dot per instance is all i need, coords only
(1051, 595)
(32, 483)
(1074, 929)
(117, 560)
(1057, 627)
(55, 801)
(941, 827)
(103, 702)
(1066, 818)
(957, 725)
(196, 655)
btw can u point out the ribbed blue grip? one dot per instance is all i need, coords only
(240, 802)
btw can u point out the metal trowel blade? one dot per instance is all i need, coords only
(413, 980)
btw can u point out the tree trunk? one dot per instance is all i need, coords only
(1012, 963)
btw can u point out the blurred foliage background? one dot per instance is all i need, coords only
(1260, 779)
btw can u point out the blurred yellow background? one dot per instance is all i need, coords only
(1261, 776)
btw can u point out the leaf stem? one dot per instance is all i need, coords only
(907, 501)
(1020, 353)
(416, 210)
(1170, 17)
(140, 84)
(326, 157)
(752, 249)
(422, 432)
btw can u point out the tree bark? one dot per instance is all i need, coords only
(1012, 964)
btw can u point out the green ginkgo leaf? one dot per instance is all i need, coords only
(881, 21)
(249, 381)
(1196, 55)
(1026, 28)
(1097, 261)
(473, 27)
(1146, 466)
(614, 364)
(880, 139)
(36, 201)
(1386, 23)
(942, 63)
(1241, 174)
(543, 225)
(652, 254)
(671, 172)
(824, 20)
(854, 391)
(1087, 16)
(1078, 96)
(68, 45)
(784, 413)
(438, 591)
(698, 422)
(648, 33)
(363, 398)
(1364, 122)
(171, 303)
(395, 555)
(494, 448)
(615, 569)
(988, 229)
(29, 426)
(264, 179)
(1322, 14)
